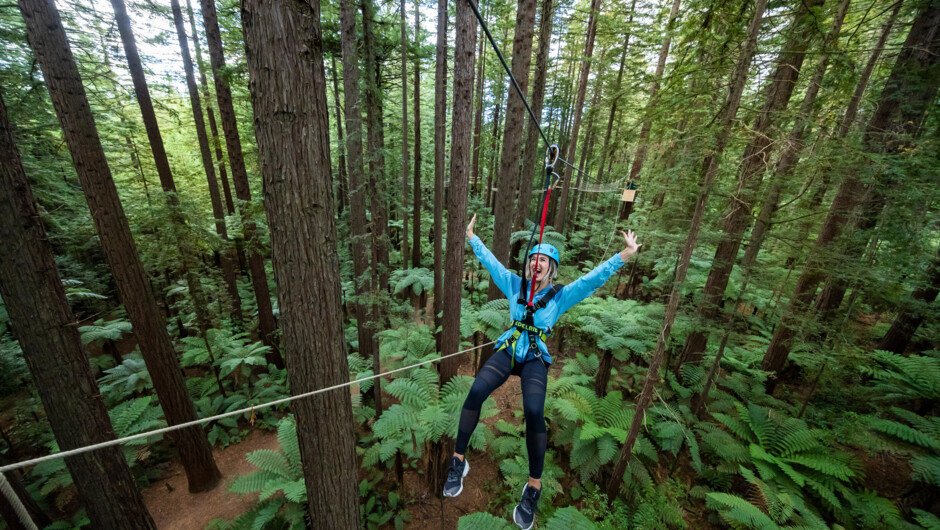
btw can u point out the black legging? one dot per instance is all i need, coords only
(494, 373)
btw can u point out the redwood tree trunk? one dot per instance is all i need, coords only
(343, 192)
(643, 142)
(755, 159)
(440, 153)
(49, 43)
(532, 147)
(226, 252)
(478, 117)
(709, 172)
(613, 105)
(216, 144)
(896, 118)
(376, 143)
(416, 199)
(259, 278)
(562, 208)
(288, 94)
(405, 193)
(456, 216)
(43, 323)
(365, 319)
(508, 180)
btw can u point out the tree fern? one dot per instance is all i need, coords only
(569, 519)
(483, 521)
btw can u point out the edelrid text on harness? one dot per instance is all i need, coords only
(527, 324)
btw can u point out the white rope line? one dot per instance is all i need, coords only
(18, 507)
(110, 443)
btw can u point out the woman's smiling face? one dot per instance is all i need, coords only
(538, 267)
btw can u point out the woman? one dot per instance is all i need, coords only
(521, 351)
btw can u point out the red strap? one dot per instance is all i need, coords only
(541, 231)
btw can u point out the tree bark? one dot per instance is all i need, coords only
(48, 40)
(508, 180)
(709, 172)
(364, 280)
(226, 253)
(47, 330)
(288, 94)
(561, 211)
(259, 278)
(456, 214)
(897, 117)
(755, 159)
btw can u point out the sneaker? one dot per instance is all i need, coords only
(458, 470)
(524, 514)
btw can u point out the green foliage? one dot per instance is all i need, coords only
(900, 379)
(105, 330)
(129, 378)
(278, 481)
(924, 433)
(380, 509)
(423, 415)
(418, 281)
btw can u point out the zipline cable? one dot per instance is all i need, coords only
(21, 512)
(110, 443)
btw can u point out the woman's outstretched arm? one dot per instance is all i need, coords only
(590, 282)
(502, 277)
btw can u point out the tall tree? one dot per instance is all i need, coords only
(643, 141)
(617, 95)
(707, 176)
(904, 99)
(478, 115)
(216, 143)
(227, 253)
(288, 94)
(259, 278)
(440, 157)
(532, 148)
(562, 208)
(405, 249)
(416, 184)
(376, 148)
(508, 181)
(343, 192)
(359, 242)
(48, 41)
(754, 161)
(48, 333)
(461, 116)
(162, 163)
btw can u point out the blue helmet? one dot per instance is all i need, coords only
(547, 250)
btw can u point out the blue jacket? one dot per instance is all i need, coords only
(511, 285)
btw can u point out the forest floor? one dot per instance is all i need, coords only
(174, 508)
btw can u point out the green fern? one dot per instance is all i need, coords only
(482, 521)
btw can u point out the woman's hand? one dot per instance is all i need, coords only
(629, 239)
(470, 226)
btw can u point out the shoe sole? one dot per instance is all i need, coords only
(466, 469)
(516, 510)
